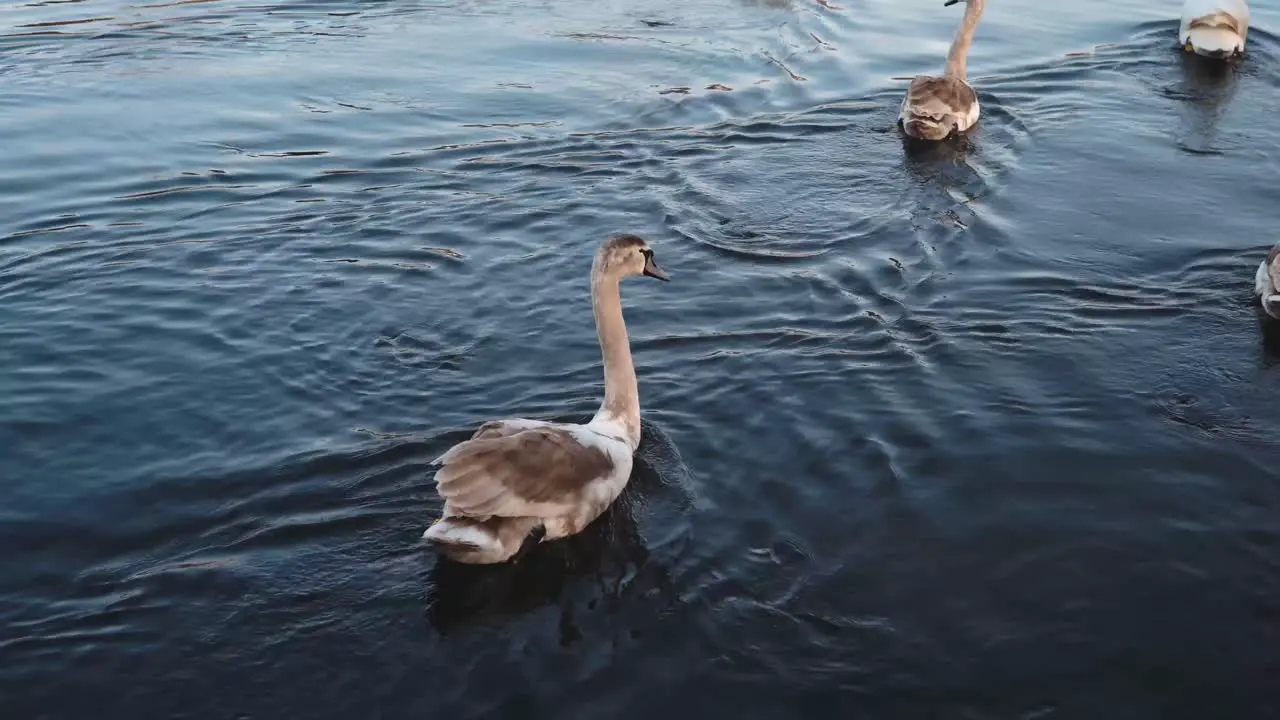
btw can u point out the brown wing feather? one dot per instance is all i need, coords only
(935, 97)
(1219, 19)
(537, 471)
(495, 429)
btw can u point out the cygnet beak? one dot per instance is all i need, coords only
(651, 268)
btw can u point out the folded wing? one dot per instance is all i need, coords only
(936, 97)
(538, 470)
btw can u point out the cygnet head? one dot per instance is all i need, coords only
(626, 255)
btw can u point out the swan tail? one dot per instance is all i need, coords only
(463, 535)
(482, 542)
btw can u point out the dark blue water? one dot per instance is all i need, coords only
(988, 431)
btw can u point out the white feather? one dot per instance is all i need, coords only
(1216, 40)
(1264, 286)
(451, 534)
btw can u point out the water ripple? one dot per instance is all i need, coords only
(924, 428)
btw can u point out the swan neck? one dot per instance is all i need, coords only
(621, 402)
(957, 58)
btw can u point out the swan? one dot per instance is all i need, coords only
(518, 477)
(937, 106)
(1265, 283)
(1214, 28)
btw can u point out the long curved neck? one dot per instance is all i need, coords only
(959, 55)
(621, 402)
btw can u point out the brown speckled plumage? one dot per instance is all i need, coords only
(514, 476)
(541, 466)
(935, 107)
(1218, 20)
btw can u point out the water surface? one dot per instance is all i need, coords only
(983, 431)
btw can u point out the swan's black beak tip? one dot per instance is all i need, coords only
(949, 3)
(651, 268)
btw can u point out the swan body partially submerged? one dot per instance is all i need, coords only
(518, 477)
(935, 107)
(1214, 28)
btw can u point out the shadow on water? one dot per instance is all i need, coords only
(1206, 91)
(600, 568)
(1203, 90)
(954, 148)
(943, 163)
(1269, 333)
(605, 554)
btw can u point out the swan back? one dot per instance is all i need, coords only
(935, 107)
(1214, 28)
(515, 475)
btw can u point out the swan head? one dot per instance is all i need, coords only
(626, 255)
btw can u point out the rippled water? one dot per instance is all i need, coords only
(984, 431)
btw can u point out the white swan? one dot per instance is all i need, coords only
(516, 477)
(1214, 28)
(1265, 283)
(937, 106)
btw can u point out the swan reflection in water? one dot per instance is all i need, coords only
(1206, 89)
(944, 177)
(608, 561)
(925, 154)
(951, 160)
(1268, 334)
